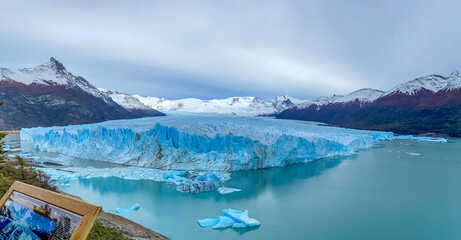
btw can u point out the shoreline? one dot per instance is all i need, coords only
(11, 131)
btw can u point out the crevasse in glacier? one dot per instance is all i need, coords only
(192, 141)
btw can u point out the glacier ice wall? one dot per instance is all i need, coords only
(191, 141)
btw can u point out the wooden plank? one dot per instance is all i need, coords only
(69, 203)
(85, 225)
(87, 211)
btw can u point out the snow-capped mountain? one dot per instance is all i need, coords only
(51, 73)
(363, 95)
(125, 100)
(49, 95)
(426, 104)
(433, 83)
(233, 105)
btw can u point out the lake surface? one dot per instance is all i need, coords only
(396, 190)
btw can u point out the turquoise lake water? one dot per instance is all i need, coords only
(396, 190)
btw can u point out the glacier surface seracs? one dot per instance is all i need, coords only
(208, 142)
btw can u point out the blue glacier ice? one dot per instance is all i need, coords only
(208, 222)
(135, 207)
(208, 142)
(224, 222)
(25, 154)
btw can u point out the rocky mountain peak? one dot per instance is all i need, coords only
(56, 65)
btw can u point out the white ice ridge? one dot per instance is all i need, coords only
(421, 139)
(226, 190)
(209, 142)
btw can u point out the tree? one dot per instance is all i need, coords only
(2, 151)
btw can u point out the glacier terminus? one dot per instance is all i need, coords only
(200, 141)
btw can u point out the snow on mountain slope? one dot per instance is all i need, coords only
(49, 95)
(51, 73)
(125, 100)
(455, 82)
(363, 95)
(433, 83)
(233, 105)
(198, 141)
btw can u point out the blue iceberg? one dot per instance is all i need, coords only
(224, 222)
(135, 207)
(232, 218)
(208, 222)
(25, 154)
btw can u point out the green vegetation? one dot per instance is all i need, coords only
(19, 170)
(100, 232)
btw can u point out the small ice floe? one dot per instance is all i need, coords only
(66, 182)
(6, 147)
(15, 149)
(226, 190)
(25, 154)
(232, 218)
(414, 154)
(135, 207)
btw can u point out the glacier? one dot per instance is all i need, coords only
(206, 142)
(421, 139)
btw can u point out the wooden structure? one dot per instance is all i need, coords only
(88, 212)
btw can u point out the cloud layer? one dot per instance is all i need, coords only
(213, 49)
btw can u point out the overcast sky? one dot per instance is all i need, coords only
(216, 49)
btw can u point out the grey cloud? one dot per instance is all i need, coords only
(214, 49)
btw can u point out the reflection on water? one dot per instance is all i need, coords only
(254, 182)
(364, 196)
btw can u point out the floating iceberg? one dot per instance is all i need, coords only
(225, 190)
(209, 142)
(136, 173)
(66, 181)
(232, 218)
(25, 154)
(135, 207)
(224, 222)
(208, 222)
(201, 184)
(6, 147)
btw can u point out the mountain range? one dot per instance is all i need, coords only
(49, 95)
(430, 104)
